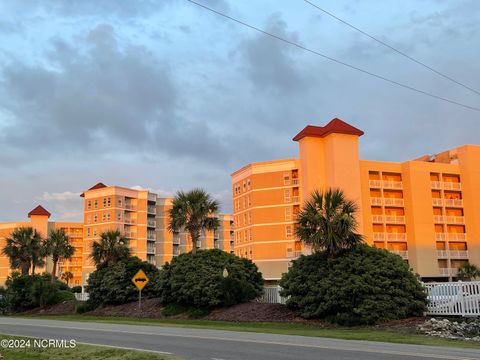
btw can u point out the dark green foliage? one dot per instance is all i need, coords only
(26, 292)
(197, 280)
(76, 289)
(192, 312)
(112, 285)
(85, 306)
(3, 301)
(361, 286)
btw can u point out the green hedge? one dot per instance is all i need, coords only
(361, 286)
(198, 280)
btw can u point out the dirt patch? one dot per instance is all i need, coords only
(64, 308)
(151, 308)
(405, 325)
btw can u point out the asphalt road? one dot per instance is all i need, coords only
(225, 345)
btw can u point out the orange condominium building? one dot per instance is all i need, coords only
(140, 215)
(426, 210)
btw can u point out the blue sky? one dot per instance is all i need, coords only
(165, 95)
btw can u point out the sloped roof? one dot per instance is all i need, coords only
(94, 187)
(39, 211)
(335, 126)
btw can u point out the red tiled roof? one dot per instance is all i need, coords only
(96, 186)
(335, 126)
(39, 210)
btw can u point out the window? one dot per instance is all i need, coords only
(286, 178)
(119, 216)
(104, 216)
(88, 231)
(287, 195)
(94, 232)
(248, 184)
(95, 218)
(108, 202)
(289, 231)
(95, 204)
(119, 202)
(104, 202)
(89, 204)
(108, 216)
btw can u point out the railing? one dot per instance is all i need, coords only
(129, 221)
(390, 184)
(151, 223)
(402, 253)
(271, 295)
(377, 218)
(130, 207)
(437, 202)
(451, 236)
(448, 271)
(436, 185)
(375, 183)
(455, 254)
(393, 202)
(82, 296)
(396, 236)
(453, 298)
(130, 235)
(378, 236)
(442, 254)
(455, 220)
(394, 219)
(438, 219)
(151, 237)
(176, 240)
(295, 182)
(454, 202)
(152, 210)
(151, 250)
(295, 199)
(446, 185)
(376, 201)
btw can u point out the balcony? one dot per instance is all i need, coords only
(130, 221)
(458, 254)
(151, 210)
(446, 185)
(438, 219)
(389, 184)
(176, 240)
(394, 219)
(378, 236)
(130, 235)
(377, 219)
(130, 207)
(448, 271)
(396, 236)
(375, 184)
(151, 250)
(402, 253)
(456, 236)
(393, 202)
(151, 223)
(437, 202)
(295, 199)
(453, 202)
(376, 201)
(442, 254)
(458, 220)
(151, 237)
(295, 182)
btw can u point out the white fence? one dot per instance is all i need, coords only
(449, 298)
(271, 295)
(82, 296)
(454, 298)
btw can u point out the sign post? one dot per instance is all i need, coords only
(140, 280)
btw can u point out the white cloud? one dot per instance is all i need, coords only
(63, 196)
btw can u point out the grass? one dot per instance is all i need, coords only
(81, 352)
(357, 333)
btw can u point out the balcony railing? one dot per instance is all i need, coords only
(454, 202)
(395, 219)
(295, 199)
(152, 210)
(438, 219)
(451, 236)
(455, 220)
(442, 254)
(151, 223)
(378, 236)
(377, 184)
(393, 202)
(389, 184)
(402, 253)
(448, 271)
(396, 236)
(130, 207)
(176, 240)
(151, 250)
(129, 221)
(295, 182)
(446, 185)
(130, 235)
(377, 219)
(376, 201)
(437, 202)
(452, 254)
(151, 237)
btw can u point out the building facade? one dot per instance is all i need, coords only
(426, 210)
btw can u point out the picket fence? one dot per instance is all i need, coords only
(448, 298)
(82, 296)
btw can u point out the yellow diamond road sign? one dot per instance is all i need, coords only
(140, 279)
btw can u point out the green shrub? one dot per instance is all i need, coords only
(64, 295)
(192, 312)
(76, 289)
(112, 284)
(26, 292)
(197, 280)
(361, 286)
(85, 306)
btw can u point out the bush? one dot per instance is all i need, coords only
(76, 289)
(112, 284)
(64, 295)
(197, 280)
(361, 286)
(26, 292)
(85, 306)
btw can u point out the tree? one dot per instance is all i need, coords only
(194, 212)
(113, 247)
(23, 248)
(361, 286)
(468, 272)
(59, 248)
(67, 276)
(327, 222)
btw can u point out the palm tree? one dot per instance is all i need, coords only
(67, 276)
(468, 272)
(23, 248)
(327, 222)
(59, 248)
(193, 212)
(113, 247)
